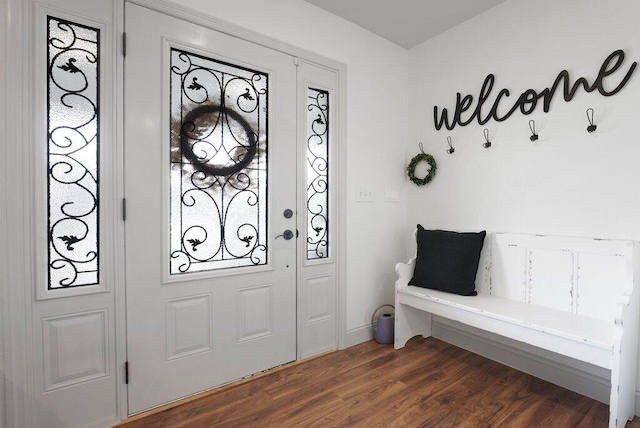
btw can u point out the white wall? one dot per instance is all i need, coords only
(377, 123)
(570, 182)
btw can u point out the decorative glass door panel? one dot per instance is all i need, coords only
(319, 107)
(218, 214)
(72, 153)
(72, 350)
(317, 174)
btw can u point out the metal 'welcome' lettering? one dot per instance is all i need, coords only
(528, 100)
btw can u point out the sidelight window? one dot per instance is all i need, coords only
(72, 153)
(317, 174)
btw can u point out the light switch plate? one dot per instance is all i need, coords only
(364, 194)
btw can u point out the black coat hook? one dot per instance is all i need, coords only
(592, 127)
(450, 149)
(532, 127)
(487, 143)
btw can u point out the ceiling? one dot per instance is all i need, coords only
(406, 23)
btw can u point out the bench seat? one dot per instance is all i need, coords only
(532, 324)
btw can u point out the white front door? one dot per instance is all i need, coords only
(210, 130)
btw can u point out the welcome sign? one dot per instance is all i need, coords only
(528, 100)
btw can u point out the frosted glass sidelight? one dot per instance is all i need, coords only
(317, 174)
(218, 151)
(72, 153)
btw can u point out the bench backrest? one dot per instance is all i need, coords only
(579, 275)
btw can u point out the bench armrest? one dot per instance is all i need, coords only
(405, 272)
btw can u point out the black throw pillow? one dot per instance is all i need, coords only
(448, 261)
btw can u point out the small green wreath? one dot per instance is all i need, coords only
(411, 169)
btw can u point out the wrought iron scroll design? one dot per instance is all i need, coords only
(317, 174)
(73, 81)
(218, 152)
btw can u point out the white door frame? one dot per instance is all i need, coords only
(15, 282)
(17, 287)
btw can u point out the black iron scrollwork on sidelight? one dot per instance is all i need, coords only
(218, 155)
(72, 153)
(317, 174)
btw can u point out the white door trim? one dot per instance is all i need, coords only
(120, 289)
(16, 234)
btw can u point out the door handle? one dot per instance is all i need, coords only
(287, 234)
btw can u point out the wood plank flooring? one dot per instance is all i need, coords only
(429, 383)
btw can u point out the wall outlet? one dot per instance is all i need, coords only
(364, 194)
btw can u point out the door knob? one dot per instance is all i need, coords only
(287, 234)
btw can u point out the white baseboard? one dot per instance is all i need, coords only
(358, 335)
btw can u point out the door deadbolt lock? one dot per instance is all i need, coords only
(287, 234)
(287, 213)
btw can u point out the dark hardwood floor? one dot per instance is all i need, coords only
(429, 383)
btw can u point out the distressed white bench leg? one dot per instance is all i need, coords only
(617, 416)
(410, 322)
(622, 403)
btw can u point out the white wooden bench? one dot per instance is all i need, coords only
(571, 296)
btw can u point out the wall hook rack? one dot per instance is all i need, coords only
(450, 149)
(487, 143)
(592, 127)
(532, 127)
